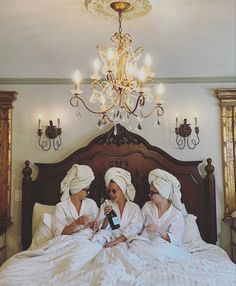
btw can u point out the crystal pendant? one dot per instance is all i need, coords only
(139, 127)
(157, 122)
(115, 130)
(150, 97)
(99, 124)
(140, 115)
(125, 117)
(78, 115)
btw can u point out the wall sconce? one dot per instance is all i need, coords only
(184, 131)
(52, 135)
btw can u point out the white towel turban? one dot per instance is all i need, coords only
(167, 185)
(77, 178)
(123, 179)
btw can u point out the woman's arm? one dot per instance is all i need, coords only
(112, 243)
(69, 229)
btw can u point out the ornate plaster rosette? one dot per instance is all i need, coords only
(138, 8)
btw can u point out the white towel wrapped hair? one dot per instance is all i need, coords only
(123, 179)
(167, 185)
(79, 177)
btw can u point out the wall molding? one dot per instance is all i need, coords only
(68, 81)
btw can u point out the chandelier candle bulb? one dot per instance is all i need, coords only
(77, 79)
(96, 66)
(109, 59)
(160, 89)
(148, 64)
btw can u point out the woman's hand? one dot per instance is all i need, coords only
(153, 228)
(82, 220)
(94, 225)
(110, 244)
(107, 210)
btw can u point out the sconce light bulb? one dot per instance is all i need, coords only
(40, 116)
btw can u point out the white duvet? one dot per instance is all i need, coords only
(74, 260)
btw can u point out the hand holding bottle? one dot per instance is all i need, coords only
(111, 216)
(107, 210)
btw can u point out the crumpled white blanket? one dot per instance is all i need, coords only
(75, 260)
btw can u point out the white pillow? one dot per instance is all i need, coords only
(38, 211)
(44, 231)
(191, 237)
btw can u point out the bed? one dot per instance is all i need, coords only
(82, 265)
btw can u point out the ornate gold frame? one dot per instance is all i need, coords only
(6, 100)
(227, 98)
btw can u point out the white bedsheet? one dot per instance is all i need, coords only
(72, 260)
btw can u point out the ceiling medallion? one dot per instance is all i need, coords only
(137, 8)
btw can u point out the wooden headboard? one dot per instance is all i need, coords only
(132, 152)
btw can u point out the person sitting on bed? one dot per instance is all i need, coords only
(75, 211)
(162, 214)
(121, 193)
(163, 220)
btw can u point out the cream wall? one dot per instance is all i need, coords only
(49, 100)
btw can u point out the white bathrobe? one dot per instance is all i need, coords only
(151, 245)
(171, 221)
(65, 213)
(131, 222)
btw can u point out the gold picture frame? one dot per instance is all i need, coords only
(227, 101)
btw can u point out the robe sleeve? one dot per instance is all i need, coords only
(135, 224)
(147, 215)
(101, 216)
(176, 229)
(93, 210)
(59, 220)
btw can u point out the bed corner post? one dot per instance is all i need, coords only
(210, 202)
(26, 224)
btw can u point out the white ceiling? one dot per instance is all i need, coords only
(52, 38)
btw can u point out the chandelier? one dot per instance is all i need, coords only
(125, 88)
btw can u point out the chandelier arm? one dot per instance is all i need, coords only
(149, 81)
(160, 111)
(108, 118)
(89, 109)
(95, 83)
(136, 105)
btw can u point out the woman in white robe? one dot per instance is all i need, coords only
(162, 214)
(121, 193)
(75, 211)
(163, 218)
